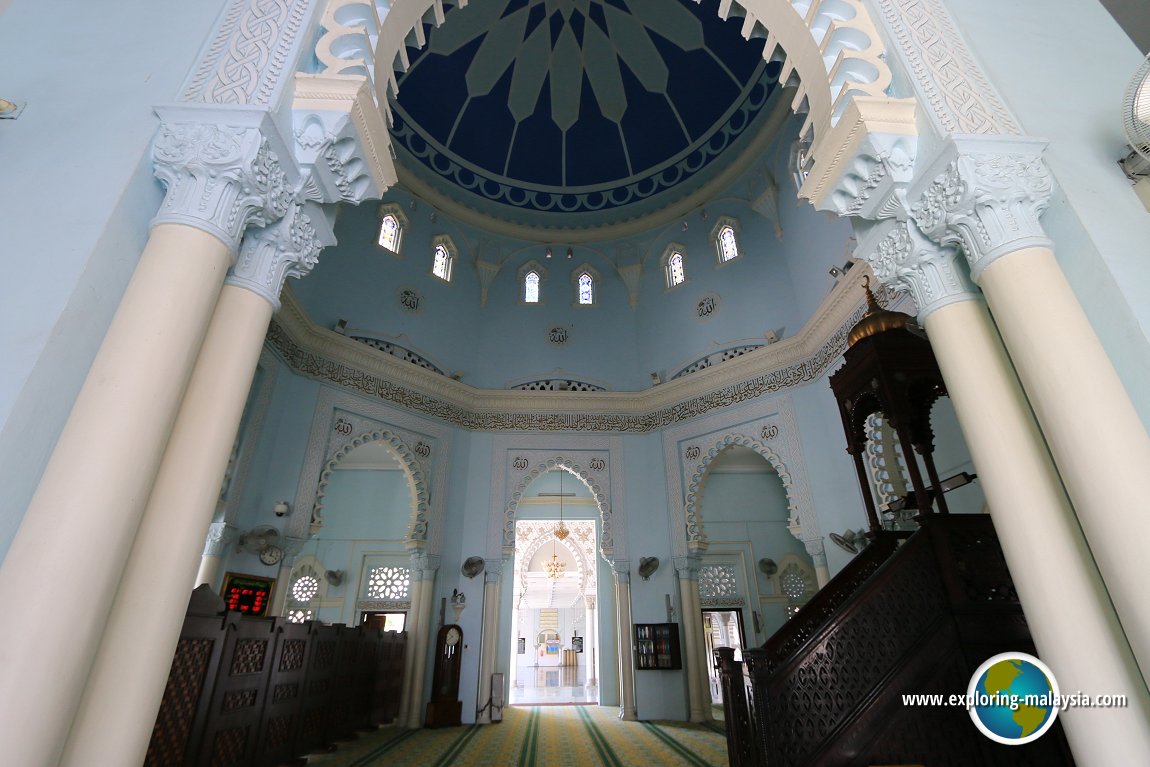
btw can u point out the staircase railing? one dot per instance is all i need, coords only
(917, 618)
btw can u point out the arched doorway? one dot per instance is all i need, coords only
(554, 620)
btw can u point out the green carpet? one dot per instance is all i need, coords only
(540, 736)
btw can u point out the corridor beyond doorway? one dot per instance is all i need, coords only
(562, 685)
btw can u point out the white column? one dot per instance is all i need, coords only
(220, 538)
(592, 642)
(402, 716)
(818, 554)
(987, 196)
(130, 670)
(423, 567)
(95, 486)
(1066, 604)
(693, 652)
(489, 641)
(626, 641)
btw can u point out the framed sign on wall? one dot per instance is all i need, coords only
(247, 594)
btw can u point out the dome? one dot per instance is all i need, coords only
(876, 319)
(587, 112)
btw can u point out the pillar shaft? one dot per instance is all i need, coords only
(1066, 604)
(118, 707)
(489, 641)
(1094, 433)
(626, 661)
(95, 486)
(698, 695)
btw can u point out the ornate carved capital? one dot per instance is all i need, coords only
(902, 258)
(423, 567)
(589, 601)
(492, 570)
(220, 537)
(815, 549)
(688, 567)
(622, 568)
(987, 194)
(220, 178)
(286, 248)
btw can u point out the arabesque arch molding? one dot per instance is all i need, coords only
(696, 534)
(416, 537)
(606, 517)
(831, 51)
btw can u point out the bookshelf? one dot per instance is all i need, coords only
(657, 647)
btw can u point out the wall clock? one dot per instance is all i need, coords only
(445, 708)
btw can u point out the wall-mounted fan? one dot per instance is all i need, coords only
(851, 541)
(648, 566)
(1136, 124)
(262, 541)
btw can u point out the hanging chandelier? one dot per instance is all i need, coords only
(555, 568)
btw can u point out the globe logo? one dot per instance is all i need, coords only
(1013, 698)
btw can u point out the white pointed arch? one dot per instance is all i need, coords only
(417, 485)
(831, 50)
(587, 477)
(695, 527)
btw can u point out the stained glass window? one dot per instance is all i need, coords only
(586, 289)
(728, 247)
(675, 273)
(441, 267)
(531, 287)
(389, 232)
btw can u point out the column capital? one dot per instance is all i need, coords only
(221, 536)
(223, 170)
(985, 193)
(285, 248)
(814, 547)
(492, 570)
(902, 258)
(589, 601)
(423, 567)
(688, 567)
(622, 570)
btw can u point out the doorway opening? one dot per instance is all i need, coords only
(554, 648)
(722, 628)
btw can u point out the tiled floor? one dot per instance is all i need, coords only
(535, 686)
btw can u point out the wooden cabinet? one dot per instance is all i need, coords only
(657, 646)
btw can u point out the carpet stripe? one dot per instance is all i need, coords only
(368, 758)
(598, 740)
(457, 747)
(529, 752)
(679, 748)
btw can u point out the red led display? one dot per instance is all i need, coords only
(247, 594)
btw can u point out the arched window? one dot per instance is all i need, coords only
(532, 275)
(728, 248)
(725, 236)
(586, 288)
(392, 224)
(389, 233)
(443, 257)
(531, 287)
(674, 270)
(441, 268)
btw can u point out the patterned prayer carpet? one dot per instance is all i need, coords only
(540, 736)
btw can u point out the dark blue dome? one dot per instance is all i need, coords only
(540, 107)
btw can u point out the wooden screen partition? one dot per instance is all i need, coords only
(262, 691)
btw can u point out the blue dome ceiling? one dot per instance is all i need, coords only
(531, 108)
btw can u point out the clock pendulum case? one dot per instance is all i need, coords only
(445, 708)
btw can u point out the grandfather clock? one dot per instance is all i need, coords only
(445, 709)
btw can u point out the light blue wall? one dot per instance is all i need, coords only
(1099, 227)
(76, 203)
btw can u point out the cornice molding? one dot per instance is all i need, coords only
(328, 356)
